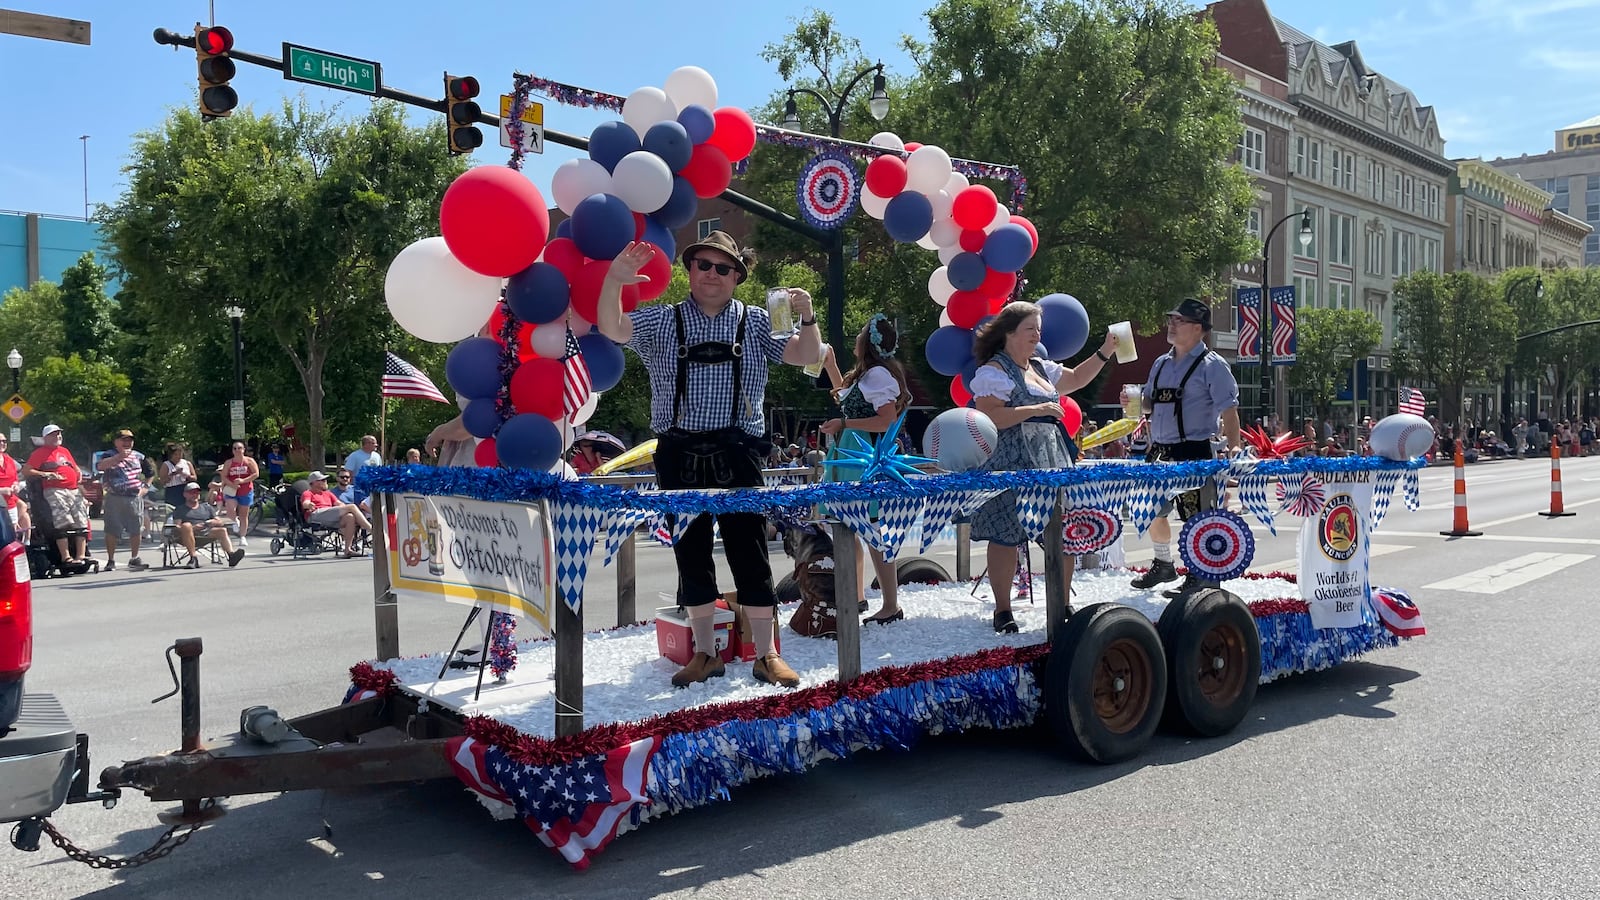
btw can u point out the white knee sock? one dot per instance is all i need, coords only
(760, 628)
(702, 624)
(1163, 552)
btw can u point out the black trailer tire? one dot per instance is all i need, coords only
(787, 589)
(917, 570)
(1213, 654)
(1105, 683)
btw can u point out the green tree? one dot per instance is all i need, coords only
(31, 322)
(1564, 361)
(87, 398)
(1452, 330)
(85, 309)
(1330, 340)
(294, 217)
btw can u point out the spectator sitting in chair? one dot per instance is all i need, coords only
(193, 516)
(322, 507)
(347, 492)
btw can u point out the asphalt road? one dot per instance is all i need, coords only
(1458, 765)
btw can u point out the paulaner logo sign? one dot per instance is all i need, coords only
(470, 551)
(1334, 552)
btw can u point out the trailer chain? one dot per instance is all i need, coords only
(174, 838)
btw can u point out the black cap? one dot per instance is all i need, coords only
(1191, 308)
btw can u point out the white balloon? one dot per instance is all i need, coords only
(957, 183)
(945, 232)
(692, 85)
(948, 252)
(645, 107)
(576, 179)
(889, 141)
(436, 298)
(872, 204)
(941, 204)
(939, 286)
(926, 242)
(1001, 217)
(643, 181)
(582, 413)
(550, 340)
(944, 318)
(928, 169)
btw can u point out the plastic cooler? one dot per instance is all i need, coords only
(676, 641)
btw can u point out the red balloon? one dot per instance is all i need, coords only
(494, 220)
(485, 455)
(966, 308)
(659, 270)
(974, 207)
(564, 255)
(638, 226)
(972, 239)
(536, 388)
(886, 175)
(998, 284)
(735, 133)
(998, 303)
(958, 392)
(1072, 415)
(708, 171)
(912, 147)
(525, 344)
(497, 321)
(1032, 231)
(586, 289)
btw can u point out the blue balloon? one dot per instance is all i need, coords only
(966, 271)
(602, 224)
(949, 349)
(473, 367)
(1008, 248)
(1041, 351)
(604, 360)
(968, 374)
(670, 141)
(1064, 325)
(564, 228)
(681, 207)
(908, 216)
(697, 122)
(481, 418)
(538, 294)
(528, 441)
(611, 141)
(657, 233)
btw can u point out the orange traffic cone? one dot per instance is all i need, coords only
(1556, 509)
(1461, 529)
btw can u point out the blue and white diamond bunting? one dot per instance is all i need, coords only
(895, 518)
(574, 529)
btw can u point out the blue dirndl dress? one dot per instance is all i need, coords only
(1025, 445)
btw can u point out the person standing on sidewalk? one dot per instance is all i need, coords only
(239, 476)
(122, 473)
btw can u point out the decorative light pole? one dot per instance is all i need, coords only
(14, 360)
(236, 412)
(1266, 403)
(878, 105)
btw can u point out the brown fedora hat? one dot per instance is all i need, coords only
(718, 240)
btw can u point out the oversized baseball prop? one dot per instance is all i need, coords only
(960, 439)
(1217, 545)
(1401, 436)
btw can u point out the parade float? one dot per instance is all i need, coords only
(575, 732)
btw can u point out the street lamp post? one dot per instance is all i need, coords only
(1506, 386)
(236, 413)
(1267, 403)
(878, 105)
(14, 360)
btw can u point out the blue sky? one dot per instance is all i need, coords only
(1503, 75)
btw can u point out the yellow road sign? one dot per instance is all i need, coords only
(17, 408)
(532, 121)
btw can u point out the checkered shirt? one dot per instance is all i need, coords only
(710, 387)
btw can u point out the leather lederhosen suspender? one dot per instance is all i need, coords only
(708, 353)
(1174, 395)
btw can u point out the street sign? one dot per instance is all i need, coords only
(331, 70)
(17, 408)
(16, 435)
(236, 417)
(532, 125)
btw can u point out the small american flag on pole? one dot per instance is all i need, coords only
(1412, 401)
(402, 379)
(576, 385)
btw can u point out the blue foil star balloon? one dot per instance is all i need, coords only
(880, 463)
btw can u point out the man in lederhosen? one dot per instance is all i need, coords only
(708, 358)
(1189, 389)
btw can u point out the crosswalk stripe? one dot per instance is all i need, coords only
(1511, 573)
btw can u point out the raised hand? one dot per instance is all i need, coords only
(625, 268)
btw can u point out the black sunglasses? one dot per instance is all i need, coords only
(706, 265)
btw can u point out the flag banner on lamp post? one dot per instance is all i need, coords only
(1283, 334)
(1248, 300)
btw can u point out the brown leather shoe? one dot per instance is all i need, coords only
(773, 670)
(700, 668)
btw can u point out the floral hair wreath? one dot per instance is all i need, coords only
(876, 336)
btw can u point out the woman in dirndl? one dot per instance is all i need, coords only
(871, 396)
(1021, 394)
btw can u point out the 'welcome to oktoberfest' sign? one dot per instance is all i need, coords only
(474, 552)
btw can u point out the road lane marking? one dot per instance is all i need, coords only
(1511, 573)
(1510, 538)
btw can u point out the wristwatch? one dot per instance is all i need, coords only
(806, 323)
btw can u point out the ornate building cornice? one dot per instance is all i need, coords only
(1317, 114)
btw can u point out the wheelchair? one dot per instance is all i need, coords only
(301, 536)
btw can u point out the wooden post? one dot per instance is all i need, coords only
(847, 613)
(1055, 573)
(567, 632)
(1208, 500)
(964, 552)
(627, 581)
(385, 608)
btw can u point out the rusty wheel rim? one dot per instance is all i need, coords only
(1220, 665)
(1123, 683)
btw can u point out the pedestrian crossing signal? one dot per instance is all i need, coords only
(216, 69)
(461, 113)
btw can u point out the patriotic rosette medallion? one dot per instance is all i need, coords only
(1088, 530)
(1217, 545)
(1303, 498)
(828, 190)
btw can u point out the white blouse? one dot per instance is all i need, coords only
(991, 381)
(878, 386)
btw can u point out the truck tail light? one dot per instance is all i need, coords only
(16, 611)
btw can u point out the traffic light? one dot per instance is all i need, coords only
(211, 46)
(461, 113)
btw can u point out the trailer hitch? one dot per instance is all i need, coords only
(185, 686)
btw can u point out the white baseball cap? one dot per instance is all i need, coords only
(49, 430)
